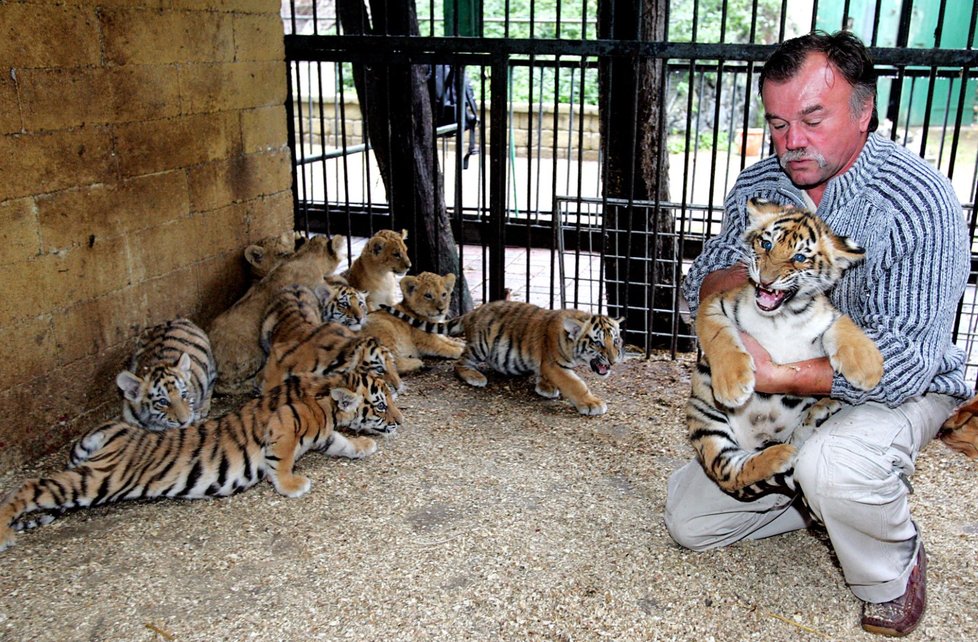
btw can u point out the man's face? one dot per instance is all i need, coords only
(815, 133)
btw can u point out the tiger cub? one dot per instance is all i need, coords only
(263, 439)
(426, 298)
(960, 430)
(384, 256)
(745, 441)
(517, 338)
(292, 313)
(343, 304)
(170, 377)
(296, 340)
(331, 348)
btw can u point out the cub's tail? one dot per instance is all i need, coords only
(453, 327)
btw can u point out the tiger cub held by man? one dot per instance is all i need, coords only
(747, 442)
(217, 458)
(170, 378)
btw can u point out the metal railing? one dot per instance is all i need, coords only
(550, 192)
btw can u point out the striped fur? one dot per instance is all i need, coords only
(292, 313)
(747, 441)
(426, 299)
(343, 304)
(261, 440)
(234, 333)
(516, 338)
(170, 377)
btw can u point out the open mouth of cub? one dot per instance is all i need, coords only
(770, 300)
(600, 366)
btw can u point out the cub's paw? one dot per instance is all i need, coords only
(732, 379)
(294, 486)
(861, 364)
(773, 460)
(592, 407)
(6, 538)
(363, 447)
(471, 376)
(546, 389)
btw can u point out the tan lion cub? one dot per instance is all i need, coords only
(384, 256)
(794, 259)
(265, 254)
(426, 298)
(234, 333)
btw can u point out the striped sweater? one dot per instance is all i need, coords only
(905, 294)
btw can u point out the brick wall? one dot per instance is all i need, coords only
(142, 146)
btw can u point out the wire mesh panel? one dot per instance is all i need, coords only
(526, 183)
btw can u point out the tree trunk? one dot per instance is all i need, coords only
(641, 265)
(398, 120)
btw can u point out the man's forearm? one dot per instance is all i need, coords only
(722, 280)
(802, 378)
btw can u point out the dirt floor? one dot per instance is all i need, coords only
(492, 514)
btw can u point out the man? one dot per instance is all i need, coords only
(819, 95)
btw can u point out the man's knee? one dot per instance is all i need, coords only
(835, 473)
(683, 512)
(682, 526)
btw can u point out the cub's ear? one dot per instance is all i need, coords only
(449, 281)
(846, 251)
(760, 210)
(408, 284)
(403, 234)
(345, 399)
(129, 384)
(254, 255)
(323, 292)
(337, 245)
(573, 327)
(183, 365)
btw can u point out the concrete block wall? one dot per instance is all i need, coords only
(142, 146)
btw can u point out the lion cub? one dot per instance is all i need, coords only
(266, 254)
(384, 256)
(234, 333)
(426, 298)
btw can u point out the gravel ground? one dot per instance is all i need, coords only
(492, 515)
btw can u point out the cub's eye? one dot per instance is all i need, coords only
(766, 245)
(799, 258)
(429, 296)
(162, 403)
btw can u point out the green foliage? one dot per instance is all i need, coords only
(708, 19)
(676, 143)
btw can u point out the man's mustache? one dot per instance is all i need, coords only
(802, 154)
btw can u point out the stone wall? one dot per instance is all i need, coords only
(142, 146)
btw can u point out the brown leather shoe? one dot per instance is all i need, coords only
(899, 617)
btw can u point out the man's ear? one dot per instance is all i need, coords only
(866, 114)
